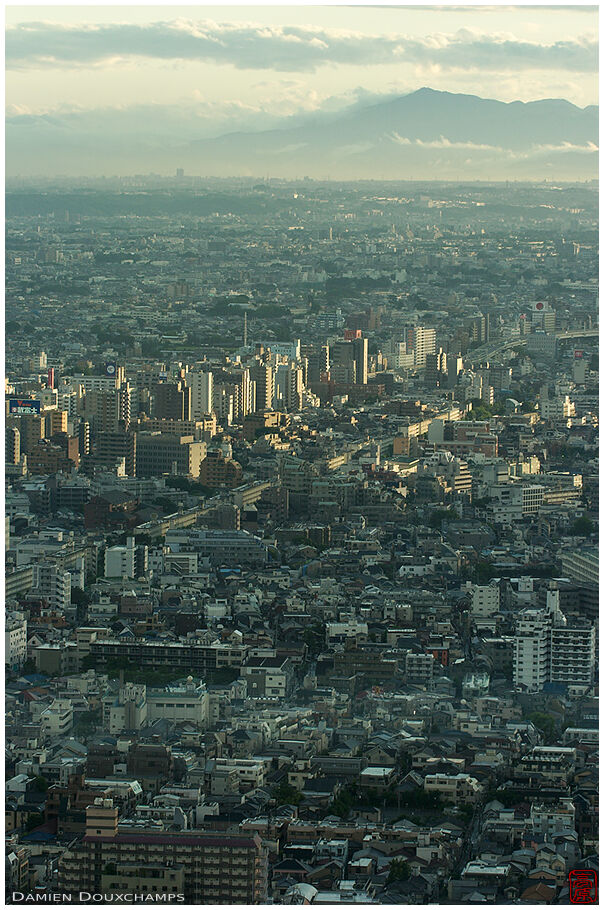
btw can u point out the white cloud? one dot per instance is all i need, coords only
(283, 48)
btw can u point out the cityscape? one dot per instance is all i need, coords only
(301, 534)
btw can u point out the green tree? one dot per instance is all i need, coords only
(286, 795)
(400, 871)
(583, 526)
(79, 597)
(545, 723)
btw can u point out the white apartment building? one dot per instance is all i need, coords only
(531, 650)
(15, 640)
(485, 602)
(550, 819)
(573, 655)
(548, 649)
(454, 788)
(120, 561)
(424, 343)
(201, 383)
(581, 565)
(53, 584)
(57, 719)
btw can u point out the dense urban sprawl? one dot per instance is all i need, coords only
(301, 541)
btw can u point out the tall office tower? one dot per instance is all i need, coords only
(107, 410)
(360, 347)
(262, 374)
(12, 441)
(289, 386)
(421, 341)
(531, 650)
(172, 401)
(233, 381)
(201, 383)
(110, 448)
(224, 404)
(349, 361)
(436, 369)
(343, 367)
(318, 363)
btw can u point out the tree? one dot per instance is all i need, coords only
(286, 795)
(79, 597)
(582, 527)
(400, 871)
(545, 723)
(41, 784)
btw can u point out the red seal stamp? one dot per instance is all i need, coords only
(583, 885)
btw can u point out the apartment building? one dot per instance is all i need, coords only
(15, 640)
(203, 867)
(454, 788)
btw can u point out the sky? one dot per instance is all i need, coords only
(232, 61)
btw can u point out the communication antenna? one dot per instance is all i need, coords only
(245, 330)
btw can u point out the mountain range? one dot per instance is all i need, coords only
(425, 135)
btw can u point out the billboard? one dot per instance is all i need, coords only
(110, 369)
(19, 406)
(578, 355)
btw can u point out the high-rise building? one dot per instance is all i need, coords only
(12, 443)
(349, 361)
(317, 361)
(53, 584)
(263, 376)
(436, 368)
(107, 410)
(550, 649)
(573, 654)
(531, 650)
(201, 383)
(289, 387)
(112, 447)
(421, 341)
(172, 401)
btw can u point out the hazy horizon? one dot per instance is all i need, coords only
(99, 89)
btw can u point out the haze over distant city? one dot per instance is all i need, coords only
(106, 90)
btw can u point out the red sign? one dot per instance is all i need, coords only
(578, 355)
(583, 886)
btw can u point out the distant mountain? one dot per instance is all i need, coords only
(428, 135)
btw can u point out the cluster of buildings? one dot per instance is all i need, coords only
(301, 546)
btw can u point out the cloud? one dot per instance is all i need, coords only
(533, 151)
(282, 48)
